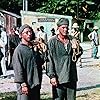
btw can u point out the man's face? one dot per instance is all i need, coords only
(63, 30)
(27, 34)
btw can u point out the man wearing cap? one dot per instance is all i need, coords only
(93, 36)
(61, 69)
(75, 32)
(27, 65)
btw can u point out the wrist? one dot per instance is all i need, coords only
(52, 76)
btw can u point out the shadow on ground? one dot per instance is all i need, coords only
(89, 87)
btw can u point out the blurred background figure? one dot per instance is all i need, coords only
(94, 37)
(42, 34)
(16, 30)
(41, 38)
(37, 33)
(53, 31)
(13, 41)
(41, 46)
(3, 42)
(75, 32)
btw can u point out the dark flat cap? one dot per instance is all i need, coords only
(62, 21)
(23, 27)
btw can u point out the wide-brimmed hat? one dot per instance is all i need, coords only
(95, 28)
(75, 25)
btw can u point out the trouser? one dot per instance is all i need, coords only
(3, 66)
(0, 69)
(34, 94)
(95, 51)
(65, 91)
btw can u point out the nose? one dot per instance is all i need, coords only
(29, 33)
(66, 29)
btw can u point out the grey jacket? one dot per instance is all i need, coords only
(27, 66)
(60, 64)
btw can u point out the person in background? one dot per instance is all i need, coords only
(17, 30)
(53, 31)
(3, 43)
(75, 32)
(1, 54)
(42, 34)
(27, 65)
(61, 69)
(13, 41)
(93, 36)
(37, 33)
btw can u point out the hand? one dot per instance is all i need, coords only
(24, 90)
(53, 81)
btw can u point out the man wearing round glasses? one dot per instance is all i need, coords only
(27, 66)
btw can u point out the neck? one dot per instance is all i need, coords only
(26, 43)
(63, 37)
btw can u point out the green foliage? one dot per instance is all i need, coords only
(8, 96)
(70, 7)
(73, 8)
(45, 96)
(91, 94)
(11, 5)
(12, 96)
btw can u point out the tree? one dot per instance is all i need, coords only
(75, 8)
(11, 5)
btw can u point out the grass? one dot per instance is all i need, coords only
(8, 96)
(45, 96)
(92, 94)
(12, 96)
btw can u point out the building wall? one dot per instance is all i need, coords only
(7, 21)
(36, 19)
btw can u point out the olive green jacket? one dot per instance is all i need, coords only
(60, 64)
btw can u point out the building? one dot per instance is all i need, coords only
(8, 19)
(37, 19)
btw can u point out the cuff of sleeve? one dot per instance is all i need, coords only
(23, 84)
(51, 76)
